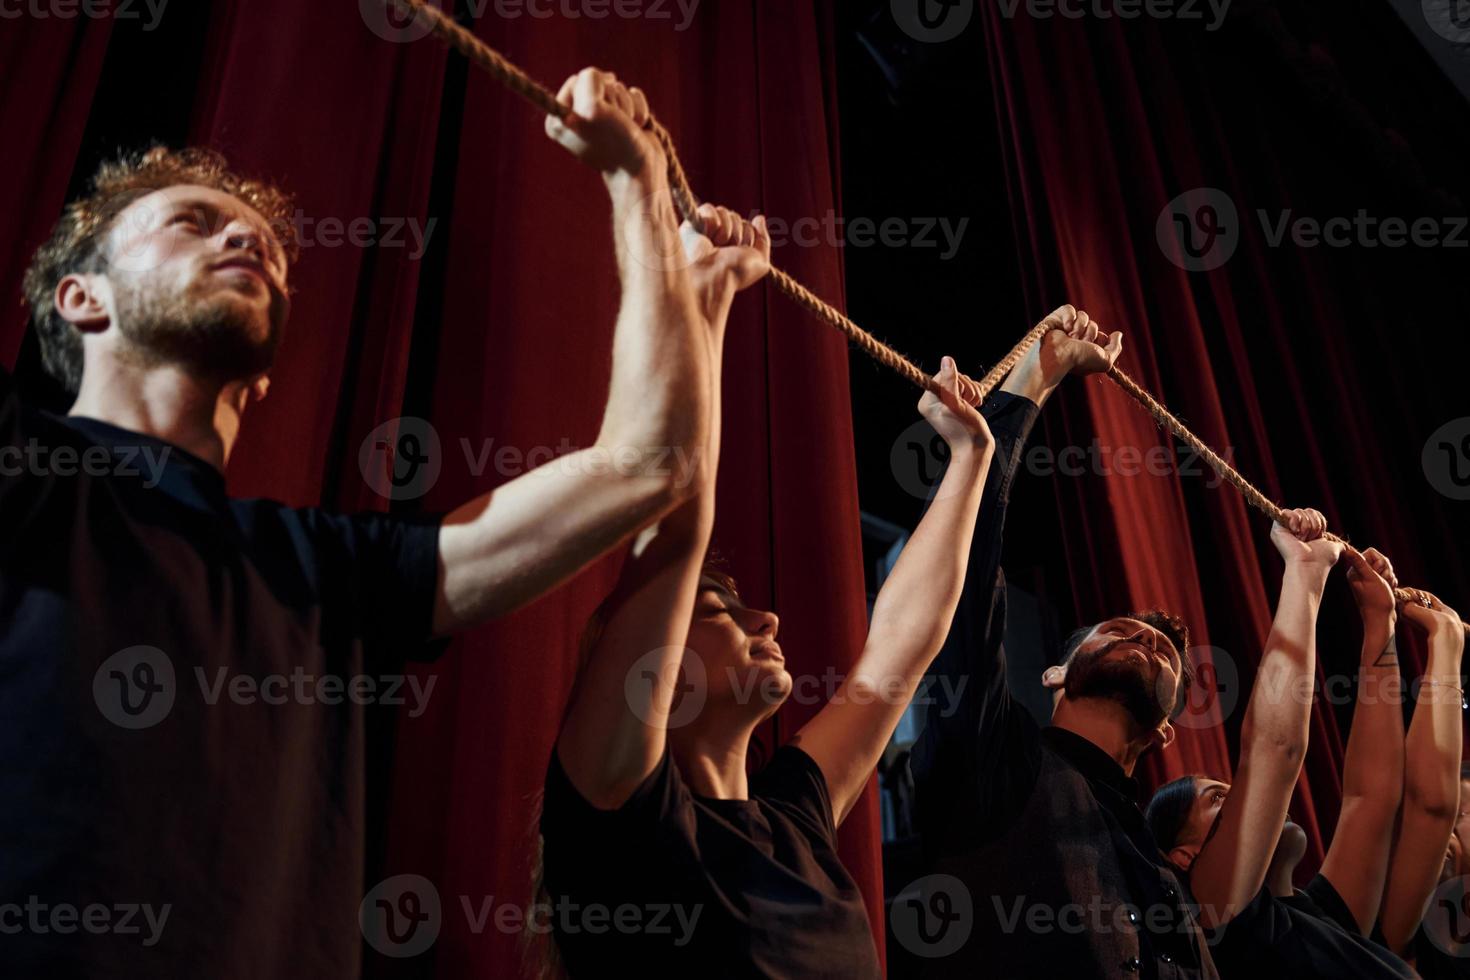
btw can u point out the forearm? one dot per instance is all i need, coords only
(1030, 380)
(917, 603)
(1280, 705)
(1374, 764)
(660, 343)
(1432, 749)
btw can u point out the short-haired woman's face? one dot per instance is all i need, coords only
(742, 663)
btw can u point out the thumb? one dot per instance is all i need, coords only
(1115, 347)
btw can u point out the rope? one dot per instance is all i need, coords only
(518, 82)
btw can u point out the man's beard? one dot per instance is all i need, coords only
(209, 335)
(1121, 681)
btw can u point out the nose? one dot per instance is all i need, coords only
(239, 234)
(1144, 636)
(768, 624)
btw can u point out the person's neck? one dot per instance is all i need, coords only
(165, 402)
(1105, 724)
(1278, 878)
(712, 760)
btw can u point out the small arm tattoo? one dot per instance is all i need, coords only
(1389, 657)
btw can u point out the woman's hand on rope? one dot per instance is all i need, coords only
(1076, 345)
(733, 254)
(953, 412)
(1372, 581)
(1433, 616)
(1300, 540)
(607, 127)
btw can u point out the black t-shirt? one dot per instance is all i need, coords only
(183, 681)
(1309, 935)
(704, 887)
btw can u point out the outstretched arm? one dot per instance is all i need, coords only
(975, 739)
(1431, 776)
(914, 608)
(614, 733)
(1357, 860)
(507, 547)
(1231, 866)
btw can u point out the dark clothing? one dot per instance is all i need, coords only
(1434, 963)
(738, 888)
(182, 687)
(1309, 935)
(1041, 826)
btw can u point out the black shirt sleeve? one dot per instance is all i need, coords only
(571, 822)
(980, 751)
(1329, 903)
(391, 566)
(794, 782)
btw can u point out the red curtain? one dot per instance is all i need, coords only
(499, 336)
(1308, 367)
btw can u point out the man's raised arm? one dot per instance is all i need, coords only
(514, 544)
(968, 699)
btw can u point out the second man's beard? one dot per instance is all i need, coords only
(1088, 676)
(207, 334)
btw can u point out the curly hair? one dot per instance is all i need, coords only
(76, 242)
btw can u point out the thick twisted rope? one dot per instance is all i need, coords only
(518, 82)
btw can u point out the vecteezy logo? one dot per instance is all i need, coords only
(933, 916)
(1447, 918)
(657, 670)
(1199, 230)
(918, 458)
(393, 21)
(1450, 19)
(401, 917)
(934, 21)
(1214, 693)
(401, 458)
(134, 688)
(1446, 459)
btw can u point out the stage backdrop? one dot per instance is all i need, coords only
(1322, 372)
(485, 307)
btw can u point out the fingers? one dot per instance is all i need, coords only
(588, 89)
(1306, 524)
(725, 228)
(1381, 566)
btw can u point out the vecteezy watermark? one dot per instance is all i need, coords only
(394, 21)
(403, 458)
(1447, 917)
(1097, 459)
(137, 688)
(1211, 12)
(40, 918)
(678, 677)
(1213, 695)
(1200, 230)
(939, 234)
(89, 9)
(36, 459)
(363, 232)
(937, 21)
(1450, 19)
(403, 916)
(933, 916)
(1446, 459)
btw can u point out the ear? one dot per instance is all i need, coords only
(81, 301)
(1163, 736)
(260, 387)
(1182, 857)
(1054, 678)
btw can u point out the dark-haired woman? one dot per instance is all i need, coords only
(1269, 928)
(649, 819)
